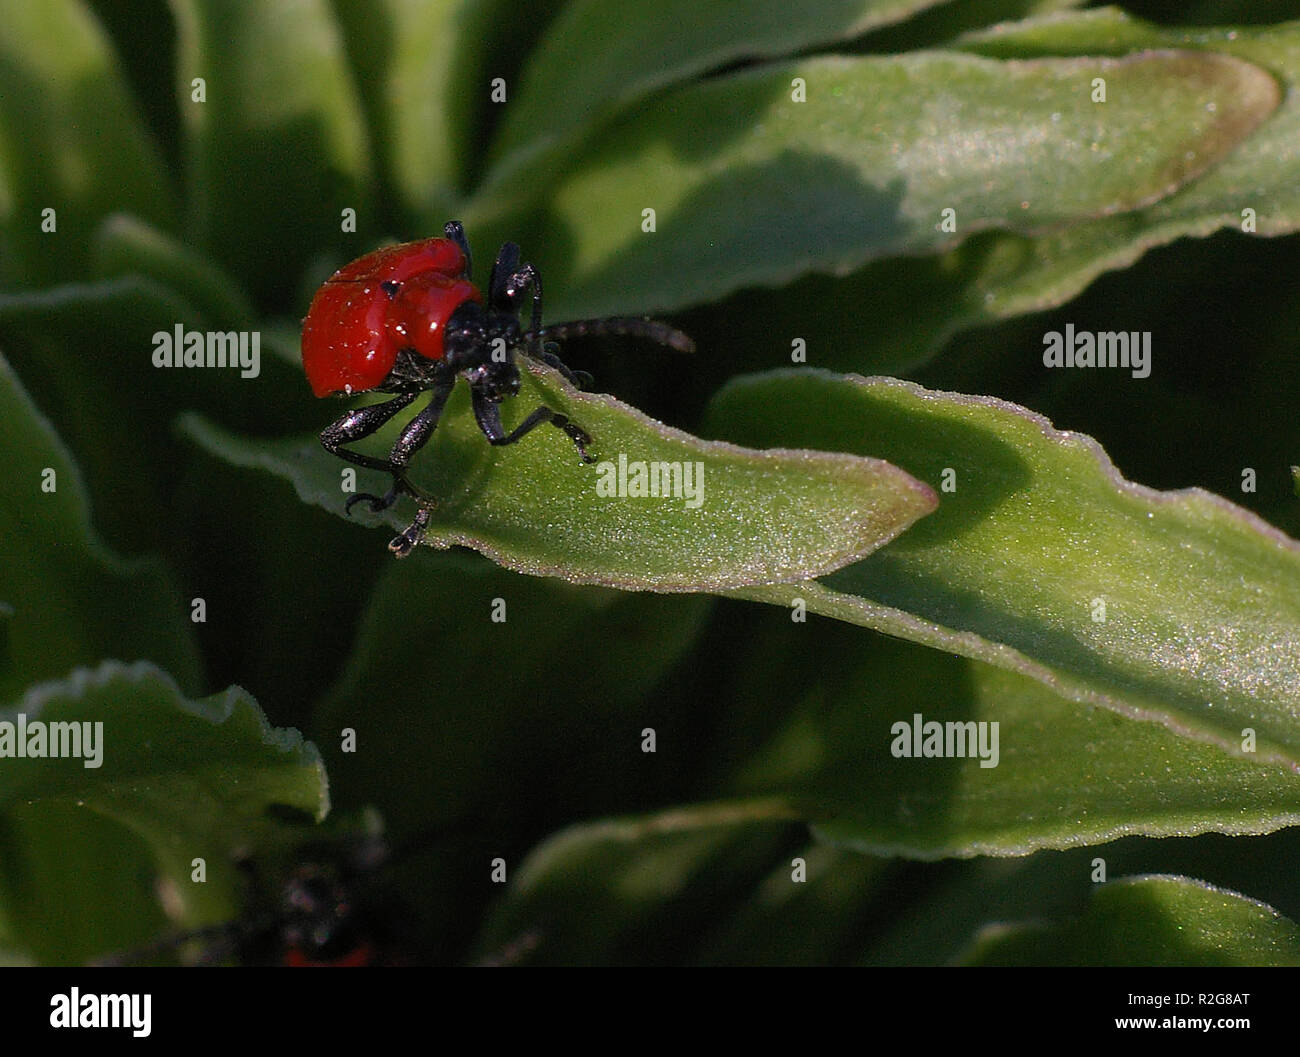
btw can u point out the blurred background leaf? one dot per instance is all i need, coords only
(191, 780)
(1151, 921)
(70, 142)
(65, 592)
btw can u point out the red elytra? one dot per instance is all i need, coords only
(356, 326)
(361, 955)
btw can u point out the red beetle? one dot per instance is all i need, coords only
(407, 318)
(329, 910)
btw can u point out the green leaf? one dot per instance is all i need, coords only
(86, 353)
(1000, 276)
(406, 54)
(814, 918)
(597, 59)
(124, 245)
(1038, 771)
(758, 516)
(939, 25)
(75, 884)
(1260, 175)
(944, 906)
(70, 141)
(10, 958)
(281, 614)
(635, 890)
(192, 778)
(473, 743)
(869, 163)
(414, 60)
(512, 684)
(1201, 623)
(278, 147)
(1152, 920)
(68, 592)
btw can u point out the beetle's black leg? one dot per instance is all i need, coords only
(488, 416)
(454, 231)
(515, 284)
(506, 264)
(359, 423)
(420, 429)
(509, 280)
(412, 439)
(354, 426)
(579, 379)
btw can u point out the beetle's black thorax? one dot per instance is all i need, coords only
(480, 343)
(476, 335)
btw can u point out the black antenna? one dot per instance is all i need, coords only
(628, 326)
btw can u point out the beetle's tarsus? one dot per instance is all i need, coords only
(402, 545)
(378, 504)
(580, 437)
